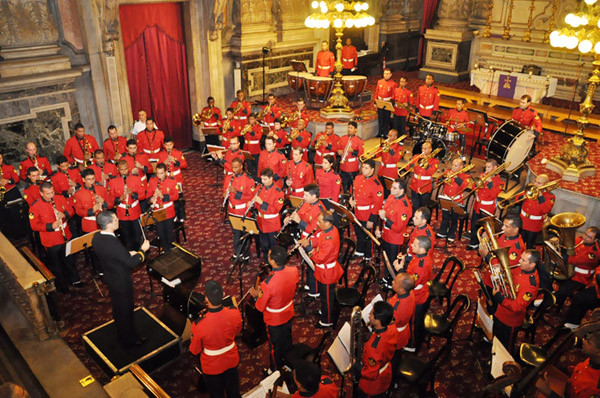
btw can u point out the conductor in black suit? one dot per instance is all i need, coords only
(117, 264)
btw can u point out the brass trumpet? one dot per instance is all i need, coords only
(479, 182)
(565, 226)
(293, 134)
(448, 179)
(531, 192)
(501, 276)
(322, 140)
(421, 159)
(286, 119)
(385, 146)
(263, 113)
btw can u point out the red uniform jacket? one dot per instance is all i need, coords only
(281, 139)
(533, 212)
(42, 163)
(421, 266)
(213, 120)
(301, 175)
(455, 191)
(31, 193)
(327, 389)
(242, 114)
(376, 372)
(368, 193)
(584, 381)
(428, 100)
(85, 199)
(174, 168)
(142, 158)
(425, 230)
(404, 309)
(455, 118)
(242, 192)
(108, 169)
(269, 118)
(485, 198)
(9, 173)
(385, 89)
(308, 214)
(421, 179)
(268, 213)
(511, 312)
(252, 139)
(349, 57)
(528, 118)
(42, 216)
(276, 297)
(151, 143)
(328, 148)
(303, 116)
(585, 261)
(325, 64)
(74, 148)
(324, 248)
(303, 141)
(111, 148)
(129, 209)
(330, 184)
(60, 181)
(213, 337)
(389, 162)
(403, 96)
(229, 129)
(275, 161)
(397, 214)
(168, 187)
(228, 158)
(356, 149)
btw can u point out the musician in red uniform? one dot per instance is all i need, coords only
(323, 248)
(307, 377)
(325, 143)
(349, 57)
(252, 133)
(367, 200)
(270, 158)
(272, 111)
(174, 160)
(385, 92)
(162, 192)
(280, 135)
(421, 184)
(229, 128)
(211, 114)
(33, 160)
(268, 201)
(510, 313)
(302, 138)
(325, 63)
(330, 182)
(231, 153)
(213, 338)
(390, 158)
(138, 163)
(48, 215)
(140, 124)
(103, 170)
(150, 141)
(458, 117)
(584, 263)
(241, 108)
(454, 190)
(421, 218)
(485, 199)
(10, 218)
(127, 191)
(80, 148)
(535, 211)
(428, 98)
(350, 148)
(395, 215)
(299, 173)
(239, 188)
(584, 301)
(511, 239)
(31, 193)
(376, 370)
(275, 299)
(90, 200)
(527, 116)
(114, 146)
(403, 303)
(300, 113)
(8, 180)
(66, 180)
(403, 100)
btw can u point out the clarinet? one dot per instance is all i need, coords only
(346, 150)
(126, 196)
(252, 202)
(227, 194)
(56, 214)
(289, 220)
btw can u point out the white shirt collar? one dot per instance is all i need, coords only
(107, 233)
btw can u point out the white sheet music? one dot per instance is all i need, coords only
(340, 349)
(487, 322)
(366, 312)
(500, 355)
(265, 386)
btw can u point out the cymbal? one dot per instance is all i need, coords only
(464, 129)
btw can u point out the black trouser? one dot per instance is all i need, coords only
(529, 237)
(311, 282)
(475, 217)
(329, 307)
(223, 384)
(566, 290)
(399, 124)
(267, 241)
(396, 364)
(418, 324)
(237, 244)
(505, 334)
(347, 179)
(252, 165)
(419, 200)
(382, 180)
(11, 223)
(383, 116)
(582, 302)
(280, 343)
(363, 242)
(165, 233)
(122, 309)
(448, 225)
(392, 252)
(63, 267)
(131, 234)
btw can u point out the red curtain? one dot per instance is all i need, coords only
(156, 66)
(429, 7)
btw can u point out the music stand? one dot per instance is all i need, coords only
(338, 208)
(297, 66)
(339, 351)
(387, 105)
(214, 149)
(81, 243)
(295, 201)
(248, 227)
(388, 182)
(451, 206)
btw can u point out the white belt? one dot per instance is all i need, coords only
(584, 271)
(383, 368)
(240, 117)
(211, 124)
(386, 99)
(268, 216)
(90, 218)
(305, 234)
(389, 165)
(254, 142)
(362, 208)
(419, 286)
(124, 206)
(530, 216)
(326, 266)
(153, 159)
(402, 328)
(347, 59)
(299, 190)
(276, 310)
(214, 353)
(152, 151)
(143, 178)
(237, 207)
(420, 177)
(77, 160)
(176, 172)
(426, 107)
(64, 225)
(164, 206)
(486, 202)
(351, 160)
(324, 67)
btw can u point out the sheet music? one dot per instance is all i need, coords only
(265, 386)
(339, 351)
(345, 336)
(169, 283)
(500, 355)
(486, 321)
(366, 312)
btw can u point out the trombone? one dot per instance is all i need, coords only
(479, 182)
(531, 192)
(422, 159)
(448, 179)
(385, 146)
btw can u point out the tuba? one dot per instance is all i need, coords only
(501, 276)
(565, 225)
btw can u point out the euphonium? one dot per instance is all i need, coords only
(531, 192)
(565, 225)
(207, 114)
(501, 276)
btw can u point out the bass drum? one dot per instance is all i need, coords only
(435, 143)
(510, 143)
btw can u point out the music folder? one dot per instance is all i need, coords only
(298, 66)
(387, 105)
(449, 205)
(500, 355)
(210, 130)
(339, 351)
(244, 225)
(78, 244)
(214, 148)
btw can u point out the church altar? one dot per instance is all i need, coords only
(513, 84)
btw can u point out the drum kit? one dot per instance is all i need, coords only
(428, 130)
(317, 89)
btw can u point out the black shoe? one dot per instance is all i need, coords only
(320, 325)
(469, 248)
(79, 284)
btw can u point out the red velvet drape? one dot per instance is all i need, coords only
(429, 7)
(156, 66)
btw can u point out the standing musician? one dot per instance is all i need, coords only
(275, 299)
(325, 143)
(213, 338)
(534, 212)
(510, 313)
(458, 117)
(114, 146)
(211, 115)
(140, 124)
(240, 189)
(330, 182)
(127, 191)
(241, 108)
(428, 98)
(137, 163)
(421, 218)
(66, 180)
(403, 303)
(102, 170)
(485, 199)
(31, 193)
(527, 116)
(162, 192)
(91, 200)
(150, 141)
(325, 63)
(421, 184)
(271, 112)
(307, 377)
(252, 135)
(174, 160)
(367, 200)
(350, 148)
(280, 135)
(268, 201)
(349, 57)
(231, 153)
(385, 92)
(270, 158)
(511, 238)
(299, 173)
(33, 160)
(48, 215)
(79, 149)
(403, 101)
(390, 159)
(302, 138)
(324, 248)
(454, 190)
(583, 301)
(300, 113)
(229, 128)
(8, 180)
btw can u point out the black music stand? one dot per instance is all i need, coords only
(297, 66)
(338, 208)
(248, 227)
(214, 149)
(82, 243)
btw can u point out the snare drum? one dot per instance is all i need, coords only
(317, 89)
(354, 86)
(296, 80)
(510, 143)
(435, 144)
(438, 130)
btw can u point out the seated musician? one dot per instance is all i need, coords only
(280, 135)
(268, 202)
(229, 128)
(162, 192)
(9, 215)
(272, 111)
(301, 138)
(150, 141)
(485, 199)
(33, 180)
(225, 159)
(454, 190)
(325, 63)
(33, 160)
(252, 133)
(103, 170)
(310, 383)
(299, 173)
(138, 163)
(211, 114)
(329, 182)
(114, 146)
(325, 143)
(241, 108)
(403, 303)
(457, 118)
(79, 149)
(66, 179)
(390, 159)
(403, 101)
(270, 158)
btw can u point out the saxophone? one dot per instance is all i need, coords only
(225, 126)
(238, 107)
(263, 113)
(246, 129)
(57, 215)
(87, 155)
